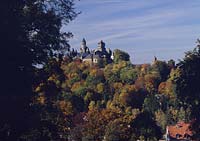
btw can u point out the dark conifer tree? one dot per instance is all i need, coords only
(31, 35)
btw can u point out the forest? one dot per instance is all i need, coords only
(70, 100)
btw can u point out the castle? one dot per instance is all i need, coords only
(93, 56)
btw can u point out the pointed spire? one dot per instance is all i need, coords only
(155, 58)
(84, 41)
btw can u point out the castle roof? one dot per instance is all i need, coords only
(83, 55)
(101, 42)
(84, 41)
(89, 56)
(96, 56)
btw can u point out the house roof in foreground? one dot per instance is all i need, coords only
(181, 128)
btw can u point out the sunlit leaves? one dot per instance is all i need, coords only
(120, 56)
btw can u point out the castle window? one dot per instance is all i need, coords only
(95, 60)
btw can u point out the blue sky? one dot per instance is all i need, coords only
(143, 28)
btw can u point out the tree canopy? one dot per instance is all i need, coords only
(120, 55)
(31, 35)
(67, 99)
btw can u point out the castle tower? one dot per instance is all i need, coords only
(101, 46)
(83, 46)
(155, 60)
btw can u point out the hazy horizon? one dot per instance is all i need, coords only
(144, 29)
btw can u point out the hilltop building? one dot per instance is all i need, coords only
(94, 56)
(84, 48)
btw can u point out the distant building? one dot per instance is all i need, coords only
(84, 48)
(154, 61)
(92, 58)
(95, 56)
(180, 132)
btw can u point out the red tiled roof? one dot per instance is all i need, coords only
(181, 129)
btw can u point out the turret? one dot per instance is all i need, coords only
(83, 46)
(155, 58)
(109, 51)
(84, 41)
(101, 46)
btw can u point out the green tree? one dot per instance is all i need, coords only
(128, 75)
(145, 127)
(162, 68)
(188, 90)
(161, 119)
(31, 35)
(117, 130)
(151, 104)
(120, 56)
